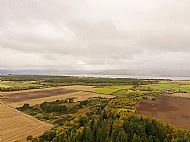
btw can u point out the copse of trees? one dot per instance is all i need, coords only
(97, 81)
(131, 128)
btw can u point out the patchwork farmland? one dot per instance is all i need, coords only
(64, 103)
(32, 97)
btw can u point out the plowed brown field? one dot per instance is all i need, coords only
(79, 96)
(174, 110)
(23, 96)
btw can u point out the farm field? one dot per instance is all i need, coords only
(166, 86)
(8, 84)
(23, 96)
(70, 87)
(15, 125)
(110, 89)
(79, 96)
(183, 82)
(4, 85)
(80, 87)
(37, 96)
(185, 95)
(32, 90)
(174, 110)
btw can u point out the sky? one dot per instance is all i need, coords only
(95, 34)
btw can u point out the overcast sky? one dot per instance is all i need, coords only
(95, 34)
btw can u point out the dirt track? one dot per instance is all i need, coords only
(15, 125)
(174, 110)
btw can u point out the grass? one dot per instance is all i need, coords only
(168, 86)
(110, 89)
(79, 87)
(164, 82)
(165, 86)
(4, 85)
(7, 84)
(185, 88)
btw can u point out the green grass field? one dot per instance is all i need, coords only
(168, 86)
(7, 84)
(4, 85)
(110, 89)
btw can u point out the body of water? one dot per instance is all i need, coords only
(133, 76)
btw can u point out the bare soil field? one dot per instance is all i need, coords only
(23, 96)
(174, 110)
(185, 82)
(15, 125)
(80, 96)
(31, 90)
(71, 87)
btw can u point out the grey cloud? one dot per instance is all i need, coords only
(95, 34)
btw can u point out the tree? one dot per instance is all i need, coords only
(135, 138)
(122, 136)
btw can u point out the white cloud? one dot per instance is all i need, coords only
(95, 34)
